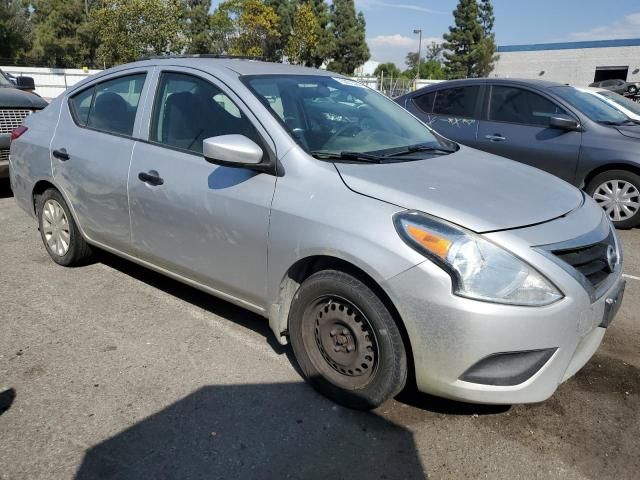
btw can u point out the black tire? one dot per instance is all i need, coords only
(633, 220)
(332, 306)
(78, 251)
(632, 89)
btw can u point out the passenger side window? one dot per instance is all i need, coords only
(425, 102)
(109, 106)
(189, 109)
(456, 102)
(516, 105)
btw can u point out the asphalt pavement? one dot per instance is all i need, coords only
(111, 371)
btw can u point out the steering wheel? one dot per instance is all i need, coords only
(355, 127)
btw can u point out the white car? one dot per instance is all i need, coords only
(623, 104)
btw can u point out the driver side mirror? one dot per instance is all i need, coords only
(564, 122)
(232, 151)
(25, 83)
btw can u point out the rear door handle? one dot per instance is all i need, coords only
(151, 177)
(496, 137)
(61, 154)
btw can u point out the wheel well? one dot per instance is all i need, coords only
(303, 269)
(38, 189)
(610, 166)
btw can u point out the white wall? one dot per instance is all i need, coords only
(574, 66)
(50, 82)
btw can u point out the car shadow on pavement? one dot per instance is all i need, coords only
(6, 399)
(256, 431)
(5, 188)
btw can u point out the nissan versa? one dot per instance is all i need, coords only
(382, 251)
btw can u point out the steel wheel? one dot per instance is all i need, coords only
(55, 227)
(619, 199)
(346, 349)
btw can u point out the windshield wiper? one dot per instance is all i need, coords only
(421, 148)
(349, 156)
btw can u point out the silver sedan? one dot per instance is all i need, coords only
(380, 250)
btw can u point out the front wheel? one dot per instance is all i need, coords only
(618, 193)
(346, 341)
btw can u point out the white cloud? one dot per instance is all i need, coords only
(628, 27)
(394, 47)
(378, 4)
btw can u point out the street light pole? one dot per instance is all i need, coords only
(419, 31)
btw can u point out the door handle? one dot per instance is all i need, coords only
(151, 177)
(496, 137)
(61, 154)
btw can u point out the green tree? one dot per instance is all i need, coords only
(434, 52)
(150, 27)
(223, 27)
(198, 29)
(461, 42)
(304, 37)
(487, 48)
(59, 33)
(15, 28)
(389, 69)
(325, 38)
(411, 60)
(470, 44)
(256, 26)
(350, 49)
(286, 11)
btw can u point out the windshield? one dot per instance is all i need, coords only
(4, 81)
(622, 101)
(333, 115)
(593, 107)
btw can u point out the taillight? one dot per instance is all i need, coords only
(17, 133)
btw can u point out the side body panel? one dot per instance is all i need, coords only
(94, 179)
(30, 159)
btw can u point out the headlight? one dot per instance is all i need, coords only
(480, 269)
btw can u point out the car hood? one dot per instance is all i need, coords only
(473, 189)
(14, 98)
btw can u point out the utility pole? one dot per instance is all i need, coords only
(418, 31)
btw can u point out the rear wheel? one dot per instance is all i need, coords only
(346, 341)
(59, 232)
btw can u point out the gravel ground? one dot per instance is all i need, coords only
(112, 371)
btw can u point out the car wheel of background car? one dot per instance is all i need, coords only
(346, 341)
(633, 89)
(618, 193)
(59, 232)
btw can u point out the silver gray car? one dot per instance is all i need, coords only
(384, 253)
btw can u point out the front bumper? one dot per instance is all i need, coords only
(449, 334)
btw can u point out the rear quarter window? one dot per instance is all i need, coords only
(456, 102)
(425, 101)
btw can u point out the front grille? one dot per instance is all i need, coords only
(592, 261)
(4, 155)
(10, 119)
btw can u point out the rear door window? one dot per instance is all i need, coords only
(517, 105)
(456, 102)
(425, 101)
(109, 106)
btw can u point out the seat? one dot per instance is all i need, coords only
(111, 113)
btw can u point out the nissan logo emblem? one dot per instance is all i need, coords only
(612, 258)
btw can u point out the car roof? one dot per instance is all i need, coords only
(239, 66)
(481, 81)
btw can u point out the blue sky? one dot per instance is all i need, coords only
(390, 23)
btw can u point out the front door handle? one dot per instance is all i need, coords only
(151, 177)
(61, 154)
(496, 137)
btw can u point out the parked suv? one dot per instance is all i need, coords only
(15, 105)
(570, 133)
(380, 250)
